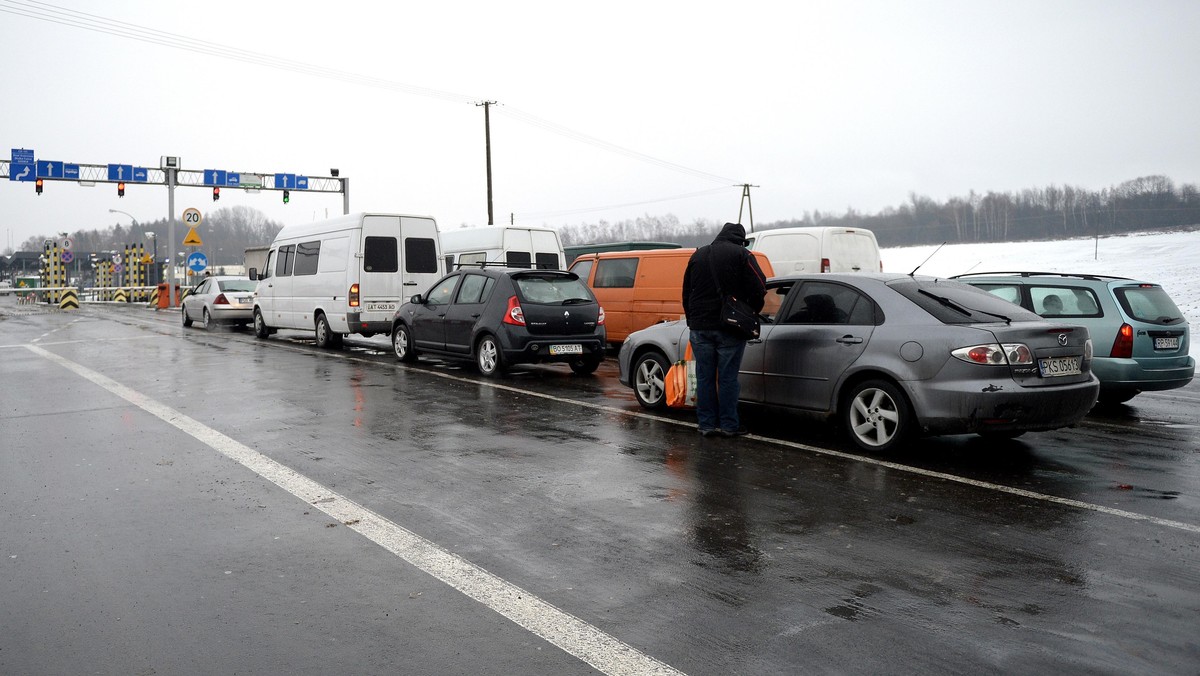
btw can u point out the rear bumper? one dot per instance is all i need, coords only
(968, 406)
(534, 349)
(355, 323)
(224, 313)
(1130, 374)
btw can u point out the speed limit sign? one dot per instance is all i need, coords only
(192, 217)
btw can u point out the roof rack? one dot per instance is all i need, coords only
(1075, 275)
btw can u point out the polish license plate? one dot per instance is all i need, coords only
(1052, 367)
(574, 348)
(1168, 343)
(381, 307)
(242, 299)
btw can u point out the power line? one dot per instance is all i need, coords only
(569, 212)
(64, 16)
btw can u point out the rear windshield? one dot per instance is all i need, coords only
(236, 285)
(957, 303)
(553, 289)
(1148, 303)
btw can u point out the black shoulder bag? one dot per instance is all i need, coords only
(736, 315)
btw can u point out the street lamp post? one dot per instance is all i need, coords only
(149, 234)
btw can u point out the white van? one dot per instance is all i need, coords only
(512, 246)
(818, 249)
(344, 275)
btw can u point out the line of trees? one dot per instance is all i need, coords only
(1054, 212)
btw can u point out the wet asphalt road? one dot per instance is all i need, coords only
(148, 529)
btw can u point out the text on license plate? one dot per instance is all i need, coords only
(1059, 366)
(574, 348)
(1168, 343)
(377, 307)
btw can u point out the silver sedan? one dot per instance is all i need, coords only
(220, 300)
(893, 357)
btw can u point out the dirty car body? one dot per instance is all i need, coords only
(893, 356)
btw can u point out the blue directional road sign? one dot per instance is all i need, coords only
(301, 183)
(215, 177)
(141, 174)
(197, 261)
(233, 179)
(71, 171)
(120, 172)
(285, 181)
(22, 168)
(49, 169)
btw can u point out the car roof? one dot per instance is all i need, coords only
(1063, 275)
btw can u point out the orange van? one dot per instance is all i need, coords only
(640, 288)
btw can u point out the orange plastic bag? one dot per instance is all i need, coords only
(680, 382)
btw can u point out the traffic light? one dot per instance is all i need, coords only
(38, 185)
(121, 189)
(287, 196)
(216, 194)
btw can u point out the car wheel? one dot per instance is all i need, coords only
(1113, 397)
(208, 321)
(488, 356)
(402, 344)
(326, 338)
(187, 321)
(585, 366)
(260, 325)
(649, 380)
(876, 416)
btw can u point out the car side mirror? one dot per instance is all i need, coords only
(252, 273)
(417, 299)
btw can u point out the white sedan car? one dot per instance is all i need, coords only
(220, 300)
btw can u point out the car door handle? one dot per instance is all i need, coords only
(475, 316)
(754, 341)
(850, 340)
(410, 284)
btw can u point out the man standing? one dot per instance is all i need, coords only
(723, 266)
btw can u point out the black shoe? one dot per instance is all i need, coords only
(707, 434)
(741, 431)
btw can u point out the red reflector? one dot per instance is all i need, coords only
(825, 267)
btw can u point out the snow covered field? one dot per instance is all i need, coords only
(1171, 259)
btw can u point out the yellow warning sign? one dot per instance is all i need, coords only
(192, 238)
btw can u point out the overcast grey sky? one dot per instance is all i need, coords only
(823, 105)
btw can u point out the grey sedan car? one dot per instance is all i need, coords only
(220, 300)
(893, 357)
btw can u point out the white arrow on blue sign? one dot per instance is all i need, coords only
(197, 261)
(285, 181)
(214, 177)
(141, 174)
(120, 172)
(21, 172)
(49, 169)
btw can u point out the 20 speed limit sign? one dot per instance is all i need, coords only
(192, 217)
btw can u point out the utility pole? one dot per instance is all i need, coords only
(487, 136)
(746, 201)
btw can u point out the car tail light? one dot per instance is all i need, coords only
(354, 295)
(1123, 346)
(514, 314)
(221, 300)
(600, 319)
(1011, 354)
(881, 265)
(825, 267)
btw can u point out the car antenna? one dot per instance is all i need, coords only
(914, 270)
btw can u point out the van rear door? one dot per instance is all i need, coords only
(398, 259)
(852, 251)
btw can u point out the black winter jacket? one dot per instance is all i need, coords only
(738, 270)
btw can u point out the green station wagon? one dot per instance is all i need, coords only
(1141, 337)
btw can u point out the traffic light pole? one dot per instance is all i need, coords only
(171, 253)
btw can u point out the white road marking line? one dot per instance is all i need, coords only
(571, 634)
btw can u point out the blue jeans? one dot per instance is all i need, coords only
(718, 358)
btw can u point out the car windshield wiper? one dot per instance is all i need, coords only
(576, 301)
(946, 302)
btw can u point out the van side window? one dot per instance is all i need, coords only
(468, 259)
(475, 289)
(616, 273)
(335, 252)
(420, 254)
(449, 262)
(381, 255)
(307, 254)
(518, 259)
(547, 261)
(287, 255)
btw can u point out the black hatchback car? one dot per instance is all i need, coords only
(503, 316)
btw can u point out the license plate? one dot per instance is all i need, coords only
(381, 307)
(566, 349)
(1052, 367)
(1168, 343)
(243, 299)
